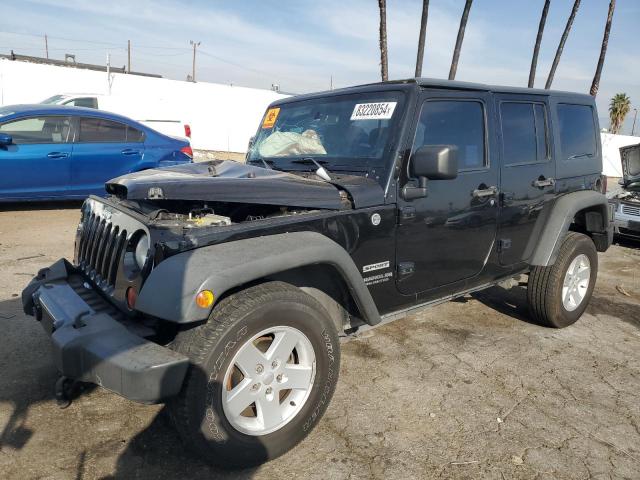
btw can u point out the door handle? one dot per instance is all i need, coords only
(543, 182)
(485, 192)
(57, 155)
(130, 151)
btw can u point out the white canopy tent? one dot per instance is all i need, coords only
(611, 165)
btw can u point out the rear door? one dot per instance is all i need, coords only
(528, 173)
(37, 163)
(103, 149)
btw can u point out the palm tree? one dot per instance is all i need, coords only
(423, 32)
(603, 50)
(536, 49)
(456, 50)
(563, 40)
(384, 67)
(618, 110)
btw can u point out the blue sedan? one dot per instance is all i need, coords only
(56, 152)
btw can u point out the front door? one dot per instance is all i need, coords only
(446, 237)
(37, 163)
(528, 173)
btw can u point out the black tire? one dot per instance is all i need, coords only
(544, 291)
(198, 412)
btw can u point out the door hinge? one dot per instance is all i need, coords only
(504, 244)
(406, 214)
(405, 269)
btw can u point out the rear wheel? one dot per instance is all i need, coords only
(263, 371)
(559, 294)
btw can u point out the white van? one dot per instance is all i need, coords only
(156, 114)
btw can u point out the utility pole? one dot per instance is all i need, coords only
(635, 116)
(193, 69)
(46, 45)
(128, 56)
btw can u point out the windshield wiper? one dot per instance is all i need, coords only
(266, 163)
(321, 171)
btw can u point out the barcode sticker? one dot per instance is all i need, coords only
(373, 111)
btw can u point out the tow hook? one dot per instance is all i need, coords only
(66, 388)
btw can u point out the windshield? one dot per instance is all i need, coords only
(347, 130)
(53, 100)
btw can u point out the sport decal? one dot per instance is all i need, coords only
(375, 266)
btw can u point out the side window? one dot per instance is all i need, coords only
(89, 102)
(38, 130)
(99, 130)
(524, 133)
(454, 122)
(577, 131)
(134, 135)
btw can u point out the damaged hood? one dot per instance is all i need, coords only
(630, 157)
(229, 181)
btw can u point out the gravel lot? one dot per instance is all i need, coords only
(468, 389)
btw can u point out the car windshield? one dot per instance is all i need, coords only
(346, 130)
(52, 100)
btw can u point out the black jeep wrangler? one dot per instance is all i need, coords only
(222, 288)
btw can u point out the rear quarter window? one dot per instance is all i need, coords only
(577, 131)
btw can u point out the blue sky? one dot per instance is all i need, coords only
(301, 44)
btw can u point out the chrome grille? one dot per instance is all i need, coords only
(100, 248)
(631, 209)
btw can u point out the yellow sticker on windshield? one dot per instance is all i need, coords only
(270, 118)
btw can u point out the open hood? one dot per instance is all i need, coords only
(630, 157)
(228, 181)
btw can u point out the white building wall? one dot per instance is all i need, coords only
(222, 117)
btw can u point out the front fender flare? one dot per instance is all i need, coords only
(169, 292)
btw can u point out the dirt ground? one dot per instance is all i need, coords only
(468, 389)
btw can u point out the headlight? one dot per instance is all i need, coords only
(142, 250)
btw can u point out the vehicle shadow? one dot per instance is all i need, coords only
(511, 302)
(51, 205)
(28, 380)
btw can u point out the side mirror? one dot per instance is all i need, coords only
(5, 139)
(252, 141)
(435, 162)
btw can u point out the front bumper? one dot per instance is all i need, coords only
(91, 342)
(623, 225)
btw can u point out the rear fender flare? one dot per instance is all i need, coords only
(561, 217)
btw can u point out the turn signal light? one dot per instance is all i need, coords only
(204, 299)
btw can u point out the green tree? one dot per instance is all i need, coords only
(618, 110)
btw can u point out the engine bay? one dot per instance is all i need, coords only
(188, 214)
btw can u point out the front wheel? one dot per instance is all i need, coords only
(263, 370)
(559, 294)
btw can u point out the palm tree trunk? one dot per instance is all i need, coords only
(536, 49)
(563, 40)
(423, 32)
(384, 67)
(603, 50)
(458, 47)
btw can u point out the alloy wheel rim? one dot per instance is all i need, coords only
(576, 282)
(268, 380)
